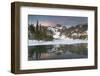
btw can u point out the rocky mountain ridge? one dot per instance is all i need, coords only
(41, 32)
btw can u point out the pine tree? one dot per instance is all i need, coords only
(37, 26)
(40, 27)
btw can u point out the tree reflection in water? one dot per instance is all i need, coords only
(42, 52)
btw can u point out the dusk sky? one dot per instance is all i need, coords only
(47, 20)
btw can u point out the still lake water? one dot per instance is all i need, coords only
(58, 51)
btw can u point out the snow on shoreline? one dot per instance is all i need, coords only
(57, 41)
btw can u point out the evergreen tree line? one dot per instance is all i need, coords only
(38, 32)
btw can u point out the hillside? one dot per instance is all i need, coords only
(41, 32)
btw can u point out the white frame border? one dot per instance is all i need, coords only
(25, 64)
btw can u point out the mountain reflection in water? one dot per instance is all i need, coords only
(49, 52)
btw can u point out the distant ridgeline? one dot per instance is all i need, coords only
(42, 32)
